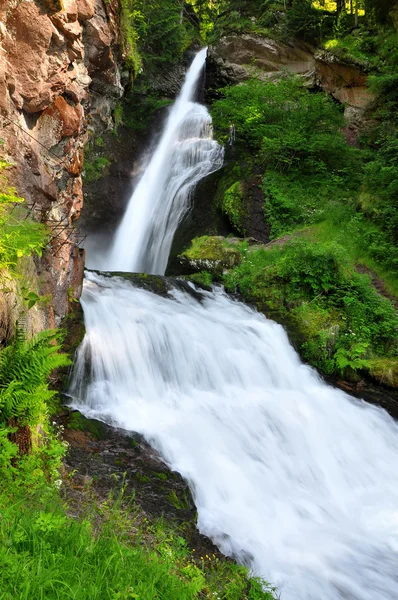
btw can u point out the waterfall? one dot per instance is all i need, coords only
(290, 476)
(186, 154)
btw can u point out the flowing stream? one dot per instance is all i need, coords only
(290, 476)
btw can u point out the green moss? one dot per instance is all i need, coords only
(233, 205)
(213, 248)
(77, 422)
(203, 278)
(95, 167)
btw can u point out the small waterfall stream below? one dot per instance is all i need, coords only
(290, 476)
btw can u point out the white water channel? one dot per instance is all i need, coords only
(292, 477)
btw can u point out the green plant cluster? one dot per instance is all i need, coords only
(24, 370)
(335, 208)
(20, 235)
(96, 163)
(333, 312)
(308, 20)
(155, 32)
(295, 137)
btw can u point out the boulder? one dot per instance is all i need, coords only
(214, 254)
(85, 9)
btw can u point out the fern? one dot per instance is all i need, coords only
(24, 370)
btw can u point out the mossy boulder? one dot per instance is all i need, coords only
(214, 254)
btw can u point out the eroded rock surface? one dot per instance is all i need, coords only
(59, 75)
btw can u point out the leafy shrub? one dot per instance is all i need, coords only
(303, 20)
(155, 32)
(286, 126)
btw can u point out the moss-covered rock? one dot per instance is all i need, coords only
(214, 254)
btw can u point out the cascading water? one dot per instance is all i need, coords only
(186, 154)
(292, 477)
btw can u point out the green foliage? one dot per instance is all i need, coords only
(296, 135)
(24, 369)
(303, 20)
(287, 126)
(95, 167)
(130, 36)
(155, 32)
(213, 252)
(381, 171)
(19, 235)
(339, 318)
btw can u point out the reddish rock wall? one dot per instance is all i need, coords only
(58, 73)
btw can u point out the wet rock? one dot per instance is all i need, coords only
(102, 459)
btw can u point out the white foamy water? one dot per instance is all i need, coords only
(186, 154)
(289, 475)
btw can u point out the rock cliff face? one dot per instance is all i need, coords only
(59, 75)
(237, 57)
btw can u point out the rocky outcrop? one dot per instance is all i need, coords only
(59, 75)
(346, 82)
(237, 57)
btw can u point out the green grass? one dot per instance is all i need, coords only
(108, 555)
